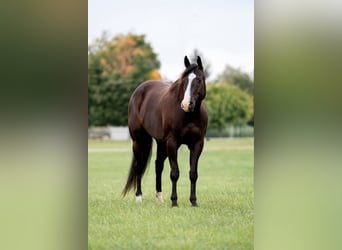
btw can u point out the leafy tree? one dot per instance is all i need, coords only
(236, 77)
(228, 105)
(116, 66)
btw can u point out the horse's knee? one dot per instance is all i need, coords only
(174, 175)
(193, 175)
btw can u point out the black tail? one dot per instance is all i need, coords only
(143, 150)
(132, 178)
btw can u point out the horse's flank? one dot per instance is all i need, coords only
(145, 105)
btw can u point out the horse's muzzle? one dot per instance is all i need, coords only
(188, 107)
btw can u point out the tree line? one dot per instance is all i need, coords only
(118, 64)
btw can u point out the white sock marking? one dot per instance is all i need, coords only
(159, 196)
(138, 198)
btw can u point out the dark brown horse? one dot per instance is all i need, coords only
(173, 114)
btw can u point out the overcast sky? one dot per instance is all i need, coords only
(223, 30)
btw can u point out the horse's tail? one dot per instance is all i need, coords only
(138, 168)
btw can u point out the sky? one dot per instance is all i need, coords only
(222, 30)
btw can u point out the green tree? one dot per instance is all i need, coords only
(236, 77)
(228, 105)
(116, 66)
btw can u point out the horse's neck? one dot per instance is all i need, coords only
(176, 89)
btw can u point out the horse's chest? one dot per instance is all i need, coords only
(190, 131)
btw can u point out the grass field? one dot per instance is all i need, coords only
(223, 220)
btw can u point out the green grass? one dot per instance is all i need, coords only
(223, 220)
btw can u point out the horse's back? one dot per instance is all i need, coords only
(148, 86)
(149, 91)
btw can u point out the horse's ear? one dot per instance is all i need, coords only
(186, 61)
(199, 63)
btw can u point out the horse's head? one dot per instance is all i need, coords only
(193, 82)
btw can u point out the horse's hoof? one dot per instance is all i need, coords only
(174, 204)
(138, 199)
(159, 196)
(193, 202)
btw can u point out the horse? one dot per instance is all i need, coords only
(173, 114)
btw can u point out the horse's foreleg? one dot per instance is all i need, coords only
(172, 148)
(195, 153)
(161, 156)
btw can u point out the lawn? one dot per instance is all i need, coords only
(223, 220)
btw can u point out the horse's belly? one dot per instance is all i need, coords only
(191, 134)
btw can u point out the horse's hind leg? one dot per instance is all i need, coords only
(141, 151)
(161, 156)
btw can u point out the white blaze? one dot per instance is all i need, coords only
(187, 95)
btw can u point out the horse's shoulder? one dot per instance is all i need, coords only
(204, 110)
